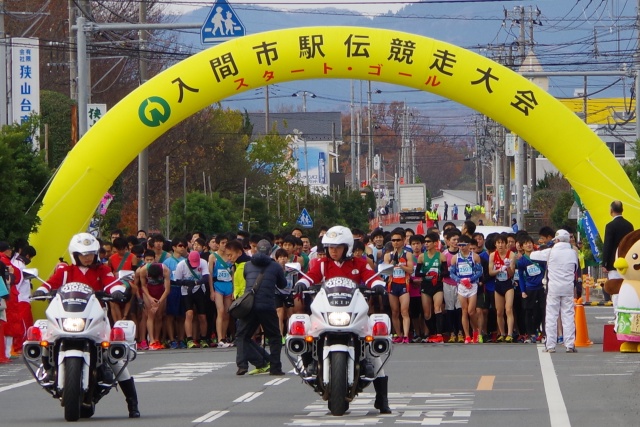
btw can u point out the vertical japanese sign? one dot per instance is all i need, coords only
(25, 78)
(94, 113)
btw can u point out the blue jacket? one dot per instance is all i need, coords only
(265, 298)
(529, 281)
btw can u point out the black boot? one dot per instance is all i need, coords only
(131, 396)
(381, 384)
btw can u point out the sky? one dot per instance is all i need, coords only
(369, 6)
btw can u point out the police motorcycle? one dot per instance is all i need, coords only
(74, 354)
(338, 336)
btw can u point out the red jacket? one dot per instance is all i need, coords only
(99, 277)
(356, 269)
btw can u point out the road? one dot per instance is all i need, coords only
(430, 384)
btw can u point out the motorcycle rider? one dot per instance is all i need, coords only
(338, 244)
(87, 269)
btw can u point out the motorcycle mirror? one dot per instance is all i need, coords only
(30, 273)
(382, 269)
(125, 274)
(294, 266)
(385, 268)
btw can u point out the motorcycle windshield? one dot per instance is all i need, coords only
(75, 296)
(339, 291)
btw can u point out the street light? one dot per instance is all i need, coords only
(304, 94)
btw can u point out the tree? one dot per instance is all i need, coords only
(210, 213)
(25, 176)
(56, 112)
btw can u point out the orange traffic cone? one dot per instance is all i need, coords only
(582, 332)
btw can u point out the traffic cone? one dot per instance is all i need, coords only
(582, 332)
(420, 229)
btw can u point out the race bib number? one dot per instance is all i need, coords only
(398, 273)
(465, 269)
(223, 276)
(533, 270)
(502, 276)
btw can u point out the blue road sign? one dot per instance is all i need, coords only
(222, 24)
(305, 219)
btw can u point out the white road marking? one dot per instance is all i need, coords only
(604, 317)
(211, 416)
(248, 397)
(179, 372)
(277, 381)
(557, 409)
(16, 385)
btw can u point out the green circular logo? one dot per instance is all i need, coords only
(154, 111)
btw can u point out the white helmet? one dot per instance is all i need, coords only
(339, 235)
(83, 244)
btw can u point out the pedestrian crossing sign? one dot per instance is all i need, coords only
(305, 219)
(222, 24)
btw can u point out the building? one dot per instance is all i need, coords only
(314, 138)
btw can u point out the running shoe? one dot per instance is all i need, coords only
(571, 350)
(144, 345)
(533, 339)
(260, 371)
(480, 338)
(417, 339)
(549, 350)
(468, 340)
(452, 339)
(182, 344)
(192, 344)
(460, 337)
(527, 339)
(166, 344)
(173, 344)
(156, 345)
(501, 338)
(223, 344)
(560, 339)
(397, 340)
(475, 337)
(242, 371)
(405, 340)
(508, 339)
(204, 344)
(438, 339)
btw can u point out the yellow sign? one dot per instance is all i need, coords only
(249, 62)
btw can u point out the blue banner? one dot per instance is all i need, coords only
(591, 231)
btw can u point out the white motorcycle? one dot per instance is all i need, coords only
(339, 337)
(74, 354)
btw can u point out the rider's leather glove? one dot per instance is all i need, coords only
(39, 293)
(299, 287)
(118, 296)
(379, 289)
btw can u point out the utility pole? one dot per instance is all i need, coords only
(637, 67)
(370, 131)
(353, 140)
(3, 67)
(73, 71)
(143, 157)
(267, 127)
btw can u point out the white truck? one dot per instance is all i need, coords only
(412, 202)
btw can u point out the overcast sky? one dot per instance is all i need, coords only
(370, 6)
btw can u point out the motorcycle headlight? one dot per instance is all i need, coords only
(339, 318)
(73, 324)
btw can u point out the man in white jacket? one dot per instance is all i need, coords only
(562, 264)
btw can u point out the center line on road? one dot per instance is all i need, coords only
(557, 409)
(211, 416)
(486, 383)
(248, 397)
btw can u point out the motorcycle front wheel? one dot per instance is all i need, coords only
(72, 391)
(338, 404)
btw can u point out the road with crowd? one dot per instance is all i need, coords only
(430, 384)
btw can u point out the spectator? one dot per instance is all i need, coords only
(263, 267)
(614, 231)
(514, 225)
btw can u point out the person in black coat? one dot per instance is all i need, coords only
(613, 234)
(264, 309)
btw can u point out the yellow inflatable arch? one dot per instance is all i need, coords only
(274, 57)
